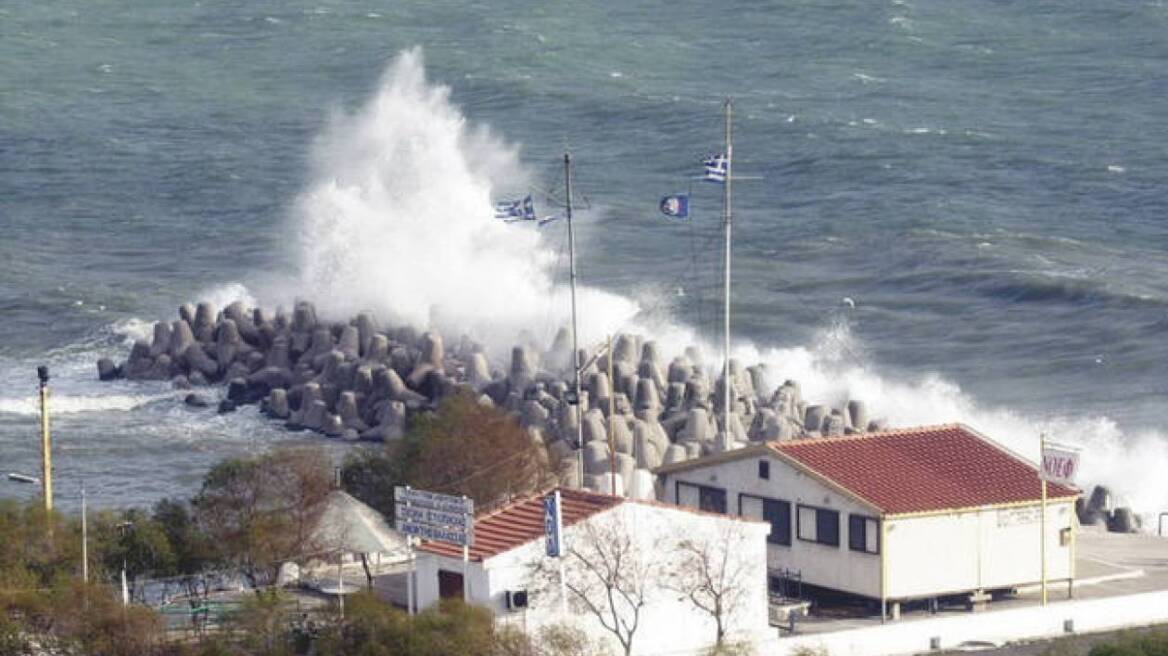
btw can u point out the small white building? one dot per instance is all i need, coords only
(509, 572)
(893, 516)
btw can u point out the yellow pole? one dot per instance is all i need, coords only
(1042, 512)
(46, 451)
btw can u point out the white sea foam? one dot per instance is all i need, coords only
(223, 295)
(398, 219)
(70, 404)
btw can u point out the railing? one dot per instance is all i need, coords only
(789, 582)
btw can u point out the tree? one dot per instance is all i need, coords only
(475, 450)
(462, 448)
(259, 512)
(370, 475)
(609, 573)
(130, 538)
(710, 575)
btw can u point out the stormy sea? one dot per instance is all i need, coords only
(955, 212)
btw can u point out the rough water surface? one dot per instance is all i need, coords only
(983, 181)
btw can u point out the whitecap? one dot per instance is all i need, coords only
(67, 405)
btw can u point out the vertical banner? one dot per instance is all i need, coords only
(553, 525)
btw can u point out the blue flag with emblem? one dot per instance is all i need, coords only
(675, 206)
(716, 168)
(553, 524)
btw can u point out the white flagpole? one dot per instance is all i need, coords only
(726, 217)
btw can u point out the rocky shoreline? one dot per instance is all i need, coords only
(357, 380)
(360, 381)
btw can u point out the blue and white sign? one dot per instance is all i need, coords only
(433, 516)
(553, 525)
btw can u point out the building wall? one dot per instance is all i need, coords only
(836, 567)
(983, 549)
(668, 624)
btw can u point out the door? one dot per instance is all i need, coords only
(449, 584)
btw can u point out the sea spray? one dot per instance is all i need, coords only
(398, 219)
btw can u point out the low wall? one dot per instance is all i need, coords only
(1029, 623)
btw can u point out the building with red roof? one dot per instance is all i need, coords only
(895, 515)
(507, 569)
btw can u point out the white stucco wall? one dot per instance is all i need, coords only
(829, 566)
(668, 624)
(928, 555)
(981, 549)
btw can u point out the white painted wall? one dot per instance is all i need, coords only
(927, 556)
(668, 624)
(834, 567)
(980, 549)
(995, 626)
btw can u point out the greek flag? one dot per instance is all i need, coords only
(676, 206)
(716, 167)
(515, 210)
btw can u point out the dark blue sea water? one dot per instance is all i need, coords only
(984, 179)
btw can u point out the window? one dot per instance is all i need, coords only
(863, 534)
(702, 497)
(819, 525)
(764, 469)
(775, 511)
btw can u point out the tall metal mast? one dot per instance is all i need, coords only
(575, 342)
(726, 219)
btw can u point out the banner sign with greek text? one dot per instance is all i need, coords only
(1059, 464)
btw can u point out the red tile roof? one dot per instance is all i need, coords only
(521, 521)
(921, 469)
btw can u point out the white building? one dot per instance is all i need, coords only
(893, 516)
(509, 572)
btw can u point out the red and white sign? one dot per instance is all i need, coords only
(1059, 464)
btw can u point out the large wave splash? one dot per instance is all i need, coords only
(398, 220)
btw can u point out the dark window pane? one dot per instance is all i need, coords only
(857, 540)
(778, 513)
(827, 527)
(712, 499)
(764, 469)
